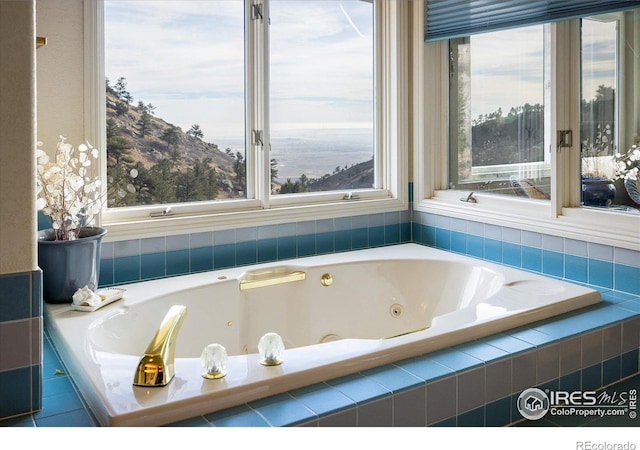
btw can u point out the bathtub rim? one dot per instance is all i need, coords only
(185, 408)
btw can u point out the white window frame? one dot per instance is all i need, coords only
(562, 215)
(541, 168)
(392, 73)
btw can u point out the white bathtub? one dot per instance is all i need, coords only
(385, 304)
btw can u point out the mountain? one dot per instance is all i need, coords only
(358, 176)
(164, 141)
(176, 166)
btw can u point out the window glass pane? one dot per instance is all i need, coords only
(321, 95)
(608, 123)
(175, 101)
(498, 92)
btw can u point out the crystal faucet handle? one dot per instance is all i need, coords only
(271, 348)
(214, 361)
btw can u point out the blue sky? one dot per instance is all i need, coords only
(186, 58)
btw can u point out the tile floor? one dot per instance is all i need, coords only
(62, 406)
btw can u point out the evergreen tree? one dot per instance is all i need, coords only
(170, 136)
(274, 169)
(290, 187)
(121, 108)
(121, 91)
(198, 183)
(108, 87)
(144, 122)
(195, 131)
(121, 191)
(239, 168)
(162, 182)
(118, 146)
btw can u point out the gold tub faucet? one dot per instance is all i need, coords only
(156, 366)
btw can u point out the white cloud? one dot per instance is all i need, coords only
(507, 67)
(598, 56)
(187, 59)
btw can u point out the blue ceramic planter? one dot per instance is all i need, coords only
(69, 265)
(597, 192)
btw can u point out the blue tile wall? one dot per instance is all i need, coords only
(20, 343)
(584, 262)
(145, 259)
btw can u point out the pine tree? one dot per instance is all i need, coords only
(195, 131)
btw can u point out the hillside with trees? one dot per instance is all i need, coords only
(151, 161)
(168, 165)
(518, 136)
(357, 176)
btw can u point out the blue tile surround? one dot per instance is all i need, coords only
(599, 265)
(145, 259)
(20, 342)
(471, 384)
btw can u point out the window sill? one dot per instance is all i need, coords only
(186, 223)
(618, 229)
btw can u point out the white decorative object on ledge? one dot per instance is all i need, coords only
(106, 296)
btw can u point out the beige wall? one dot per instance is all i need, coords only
(60, 72)
(17, 137)
(56, 73)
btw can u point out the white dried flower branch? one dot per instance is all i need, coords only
(627, 166)
(66, 193)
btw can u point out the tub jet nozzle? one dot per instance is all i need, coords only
(271, 348)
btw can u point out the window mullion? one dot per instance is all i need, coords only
(94, 93)
(257, 92)
(565, 101)
(391, 91)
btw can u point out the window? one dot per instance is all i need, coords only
(499, 140)
(223, 106)
(607, 132)
(586, 82)
(174, 101)
(598, 109)
(321, 95)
